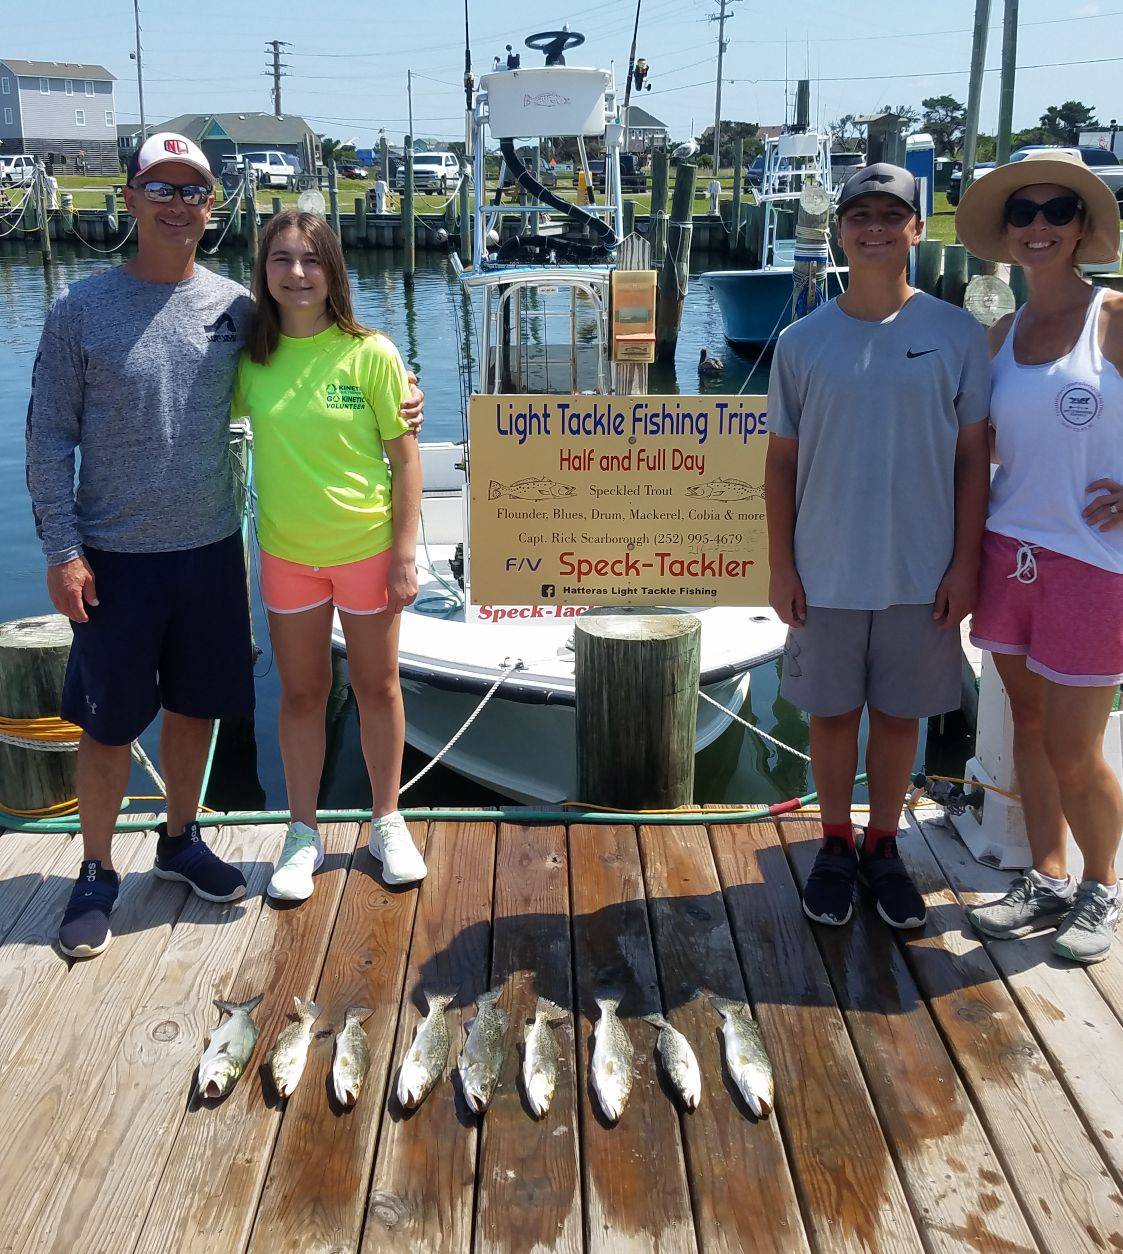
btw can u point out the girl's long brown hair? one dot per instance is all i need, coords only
(265, 329)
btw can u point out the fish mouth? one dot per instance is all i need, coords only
(211, 1089)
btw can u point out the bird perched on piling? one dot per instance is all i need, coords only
(709, 366)
(687, 151)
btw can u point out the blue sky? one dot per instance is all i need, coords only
(348, 62)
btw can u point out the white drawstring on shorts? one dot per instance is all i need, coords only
(1025, 567)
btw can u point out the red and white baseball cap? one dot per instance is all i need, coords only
(167, 146)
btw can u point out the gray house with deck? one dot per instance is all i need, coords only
(61, 111)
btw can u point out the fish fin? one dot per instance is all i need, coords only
(494, 490)
(232, 1007)
(553, 1012)
(656, 1020)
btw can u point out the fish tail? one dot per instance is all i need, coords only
(723, 1005)
(495, 489)
(356, 1014)
(656, 1020)
(306, 1008)
(232, 1007)
(608, 1000)
(493, 994)
(551, 1010)
(438, 1001)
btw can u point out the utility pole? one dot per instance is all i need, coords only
(975, 90)
(1006, 92)
(139, 72)
(720, 19)
(275, 45)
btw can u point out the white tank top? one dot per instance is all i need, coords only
(1059, 427)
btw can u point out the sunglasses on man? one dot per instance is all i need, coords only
(161, 193)
(1058, 212)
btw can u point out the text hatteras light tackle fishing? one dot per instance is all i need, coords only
(229, 1049)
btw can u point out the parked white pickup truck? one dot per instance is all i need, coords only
(273, 169)
(17, 171)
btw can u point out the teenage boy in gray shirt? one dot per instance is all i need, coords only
(876, 492)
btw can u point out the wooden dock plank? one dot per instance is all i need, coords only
(71, 1038)
(851, 1196)
(316, 1190)
(636, 1192)
(1066, 1191)
(28, 861)
(129, 1129)
(529, 1186)
(423, 1187)
(953, 1179)
(210, 1186)
(694, 950)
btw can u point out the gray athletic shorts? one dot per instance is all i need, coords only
(897, 660)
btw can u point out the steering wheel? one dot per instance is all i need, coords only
(555, 40)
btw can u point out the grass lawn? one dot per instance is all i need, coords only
(941, 225)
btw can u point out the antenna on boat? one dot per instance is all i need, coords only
(469, 87)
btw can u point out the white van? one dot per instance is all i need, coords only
(17, 171)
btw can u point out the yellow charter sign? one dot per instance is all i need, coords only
(618, 500)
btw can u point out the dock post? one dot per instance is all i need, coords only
(384, 160)
(465, 220)
(954, 282)
(738, 178)
(929, 263)
(659, 205)
(111, 214)
(333, 198)
(1018, 285)
(408, 227)
(675, 272)
(42, 204)
(278, 208)
(976, 265)
(629, 217)
(68, 219)
(361, 221)
(33, 653)
(637, 708)
(249, 223)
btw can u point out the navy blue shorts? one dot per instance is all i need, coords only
(169, 629)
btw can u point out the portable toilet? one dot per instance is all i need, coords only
(920, 159)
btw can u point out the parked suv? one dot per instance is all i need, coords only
(273, 169)
(432, 172)
(17, 171)
(632, 178)
(1104, 163)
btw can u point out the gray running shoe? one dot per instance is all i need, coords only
(1027, 907)
(1087, 933)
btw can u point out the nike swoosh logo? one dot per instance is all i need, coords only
(923, 352)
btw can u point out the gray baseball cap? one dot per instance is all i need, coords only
(881, 179)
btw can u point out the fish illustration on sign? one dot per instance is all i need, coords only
(726, 490)
(547, 99)
(539, 489)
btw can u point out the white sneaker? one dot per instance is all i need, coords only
(302, 854)
(391, 843)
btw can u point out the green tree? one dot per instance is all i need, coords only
(908, 115)
(985, 148)
(337, 149)
(846, 134)
(1063, 123)
(945, 119)
(749, 132)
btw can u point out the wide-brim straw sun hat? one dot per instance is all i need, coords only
(980, 222)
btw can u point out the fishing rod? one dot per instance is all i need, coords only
(469, 88)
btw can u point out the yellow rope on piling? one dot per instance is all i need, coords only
(61, 809)
(49, 728)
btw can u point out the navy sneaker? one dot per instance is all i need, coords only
(187, 859)
(84, 931)
(885, 874)
(828, 895)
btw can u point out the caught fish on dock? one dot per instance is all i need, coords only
(352, 1057)
(530, 489)
(745, 1055)
(229, 1049)
(679, 1061)
(613, 1059)
(290, 1052)
(426, 1058)
(726, 490)
(540, 1057)
(481, 1058)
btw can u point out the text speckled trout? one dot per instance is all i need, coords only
(352, 1057)
(745, 1055)
(427, 1056)
(540, 1057)
(613, 1059)
(229, 1049)
(481, 1058)
(679, 1062)
(290, 1053)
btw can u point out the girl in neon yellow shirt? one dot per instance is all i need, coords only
(336, 524)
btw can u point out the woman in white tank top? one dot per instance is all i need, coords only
(1050, 605)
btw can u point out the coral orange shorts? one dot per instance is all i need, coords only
(354, 587)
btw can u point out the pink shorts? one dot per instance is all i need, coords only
(355, 587)
(1062, 615)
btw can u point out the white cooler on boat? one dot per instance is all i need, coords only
(549, 100)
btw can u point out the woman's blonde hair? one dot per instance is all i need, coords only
(265, 329)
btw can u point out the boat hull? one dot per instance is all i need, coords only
(756, 305)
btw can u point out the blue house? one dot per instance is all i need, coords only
(61, 111)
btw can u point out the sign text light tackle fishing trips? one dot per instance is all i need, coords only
(612, 418)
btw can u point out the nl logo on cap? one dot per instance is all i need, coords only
(176, 146)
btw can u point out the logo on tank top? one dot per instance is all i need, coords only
(1079, 405)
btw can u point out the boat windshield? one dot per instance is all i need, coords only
(546, 338)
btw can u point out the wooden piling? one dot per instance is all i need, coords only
(33, 653)
(659, 205)
(111, 214)
(1018, 285)
(278, 207)
(929, 265)
(675, 271)
(249, 223)
(752, 234)
(976, 265)
(738, 178)
(333, 198)
(629, 217)
(408, 239)
(637, 707)
(44, 212)
(384, 160)
(954, 281)
(361, 221)
(465, 220)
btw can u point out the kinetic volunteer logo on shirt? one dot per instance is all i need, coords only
(344, 396)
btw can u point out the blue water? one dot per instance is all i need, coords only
(420, 319)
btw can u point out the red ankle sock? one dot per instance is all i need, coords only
(871, 846)
(843, 831)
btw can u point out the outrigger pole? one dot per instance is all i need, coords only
(631, 70)
(469, 87)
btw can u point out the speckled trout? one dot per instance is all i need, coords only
(745, 1055)
(540, 1057)
(679, 1062)
(613, 1059)
(427, 1056)
(481, 1058)
(352, 1057)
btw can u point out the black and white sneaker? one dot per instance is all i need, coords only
(84, 931)
(828, 895)
(187, 859)
(898, 901)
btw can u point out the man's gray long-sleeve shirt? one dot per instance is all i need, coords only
(138, 377)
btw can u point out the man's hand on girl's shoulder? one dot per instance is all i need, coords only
(413, 405)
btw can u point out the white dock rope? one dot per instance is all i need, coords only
(753, 728)
(70, 746)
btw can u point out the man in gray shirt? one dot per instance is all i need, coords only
(876, 490)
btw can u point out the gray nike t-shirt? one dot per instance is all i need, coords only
(136, 378)
(876, 408)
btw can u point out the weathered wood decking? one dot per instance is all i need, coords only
(932, 1093)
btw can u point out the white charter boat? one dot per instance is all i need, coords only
(554, 273)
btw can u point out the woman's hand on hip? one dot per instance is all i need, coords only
(401, 585)
(413, 405)
(1106, 510)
